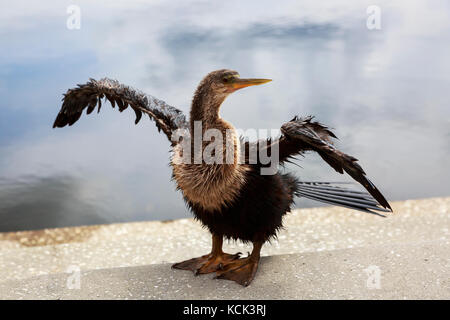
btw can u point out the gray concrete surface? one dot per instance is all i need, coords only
(322, 253)
(31, 253)
(414, 271)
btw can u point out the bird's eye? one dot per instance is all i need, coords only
(225, 80)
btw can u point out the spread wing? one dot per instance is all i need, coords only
(303, 134)
(88, 96)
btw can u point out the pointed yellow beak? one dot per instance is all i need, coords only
(242, 83)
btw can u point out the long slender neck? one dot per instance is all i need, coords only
(204, 115)
(205, 108)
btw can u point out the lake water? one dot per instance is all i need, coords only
(386, 93)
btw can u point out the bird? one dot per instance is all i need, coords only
(232, 199)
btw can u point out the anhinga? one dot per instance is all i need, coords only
(233, 200)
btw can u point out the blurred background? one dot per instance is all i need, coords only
(386, 93)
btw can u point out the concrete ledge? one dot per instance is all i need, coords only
(31, 253)
(322, 253)
(414, 271)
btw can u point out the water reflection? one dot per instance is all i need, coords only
(43, 202)
(385, 93)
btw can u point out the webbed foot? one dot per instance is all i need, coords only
(241, 271)
(207, 263)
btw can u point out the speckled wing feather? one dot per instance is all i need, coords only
(303, 134)
(89, 95)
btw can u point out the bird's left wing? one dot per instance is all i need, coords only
(89, 95)
(303, 134)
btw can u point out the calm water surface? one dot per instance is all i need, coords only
(386, 92)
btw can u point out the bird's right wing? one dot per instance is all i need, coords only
(89, 95)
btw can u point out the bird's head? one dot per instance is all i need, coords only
(223, 82)
(217, 85)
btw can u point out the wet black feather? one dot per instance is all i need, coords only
(302, 134)
(167, 118)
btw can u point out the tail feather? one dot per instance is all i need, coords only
(329, 192)
(344, 198)
(342, 191)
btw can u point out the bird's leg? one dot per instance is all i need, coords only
(212, 262)
(242, 270)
